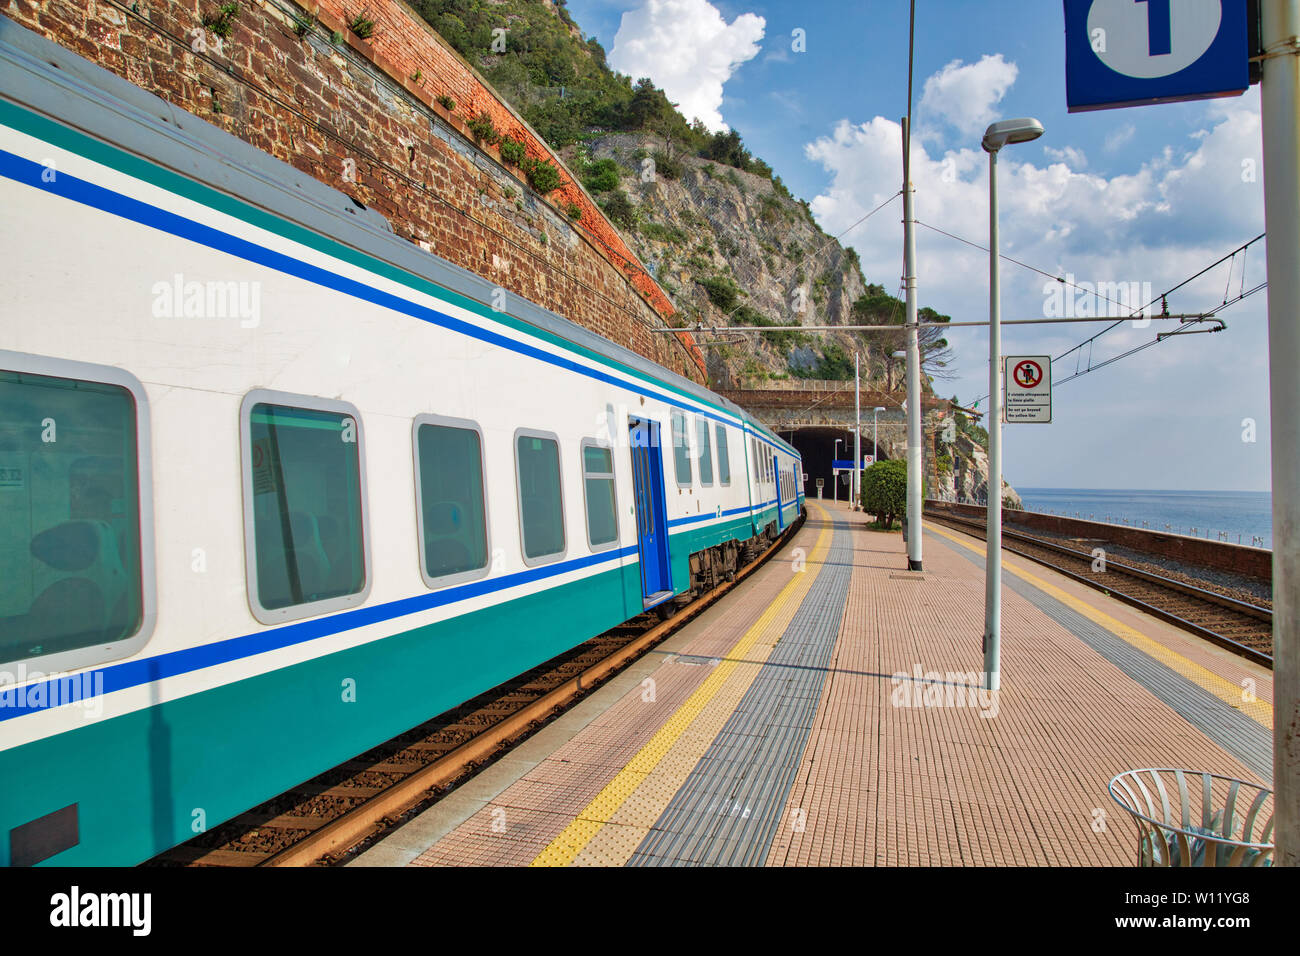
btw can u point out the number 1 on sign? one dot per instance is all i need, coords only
(1160, 31)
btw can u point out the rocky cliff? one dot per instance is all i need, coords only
(732, 248)
(723, 237)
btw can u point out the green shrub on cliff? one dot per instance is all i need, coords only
(620, 210)
(562, 85)
(601, 176)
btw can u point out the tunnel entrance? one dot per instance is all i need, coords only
(817, 447)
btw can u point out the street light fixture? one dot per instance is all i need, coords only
(1000, 134)
(875, 447)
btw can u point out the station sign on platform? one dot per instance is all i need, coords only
(846, 464)
(1135, 52)
(1027, 389)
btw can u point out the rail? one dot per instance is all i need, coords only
(1246, 629)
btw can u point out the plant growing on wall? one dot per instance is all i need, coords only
(484, 130)
(447, 103)
(513, 151)
(222, 22)
(362, 25)
(542, 175)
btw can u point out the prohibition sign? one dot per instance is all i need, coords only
(1027, 373)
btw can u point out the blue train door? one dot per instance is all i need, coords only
(651, 516)
(780, 514)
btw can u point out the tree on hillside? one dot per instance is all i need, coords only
(877, 307)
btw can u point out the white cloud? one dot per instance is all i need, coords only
(1194, 198)
(964, 95)
(687, 48)
(1188, 204)
(1119, 137)
(1070, 155)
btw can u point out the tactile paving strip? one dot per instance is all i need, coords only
(731, 804)
(660, 767)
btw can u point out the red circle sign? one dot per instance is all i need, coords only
(1027, 374)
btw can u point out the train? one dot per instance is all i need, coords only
(277, 485)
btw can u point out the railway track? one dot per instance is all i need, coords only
(326, 819)
(1236, 625)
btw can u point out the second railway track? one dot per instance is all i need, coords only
(1244, 628)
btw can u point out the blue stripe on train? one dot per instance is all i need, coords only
(17, 702)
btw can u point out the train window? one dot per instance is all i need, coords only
(706, 449)
(76, 564)
(724, 455)
(451, 509)
(598, 487)
(304, 488)
(681, 450)
(541, 498)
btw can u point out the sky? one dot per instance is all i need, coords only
(1146, 196)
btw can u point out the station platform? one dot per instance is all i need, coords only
(828, 712)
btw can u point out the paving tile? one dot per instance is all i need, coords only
(959, 778)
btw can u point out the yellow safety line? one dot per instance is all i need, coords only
(1228, 692)
(565, 848)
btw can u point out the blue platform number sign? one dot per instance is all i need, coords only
(1134, 52)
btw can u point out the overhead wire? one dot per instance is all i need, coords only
(1089, 342)
(1023, 265)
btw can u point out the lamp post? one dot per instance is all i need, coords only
(914, 475)
(835, 478)
(875, 447)
(1000, 134)
(854, 495)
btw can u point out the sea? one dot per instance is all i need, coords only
(1241, 517)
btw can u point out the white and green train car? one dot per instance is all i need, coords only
(276, 485)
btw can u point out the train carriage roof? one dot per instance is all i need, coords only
(46, 78)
